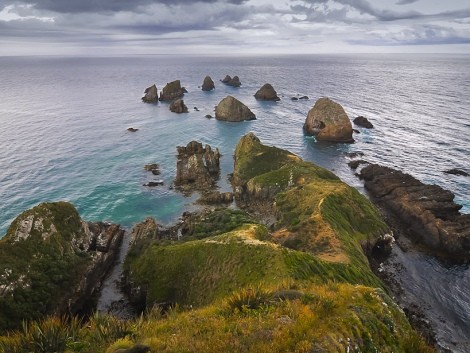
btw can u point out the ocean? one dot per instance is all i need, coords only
(64, 123)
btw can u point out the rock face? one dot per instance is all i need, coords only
(208, 84)
(196, 166)
(231, 109)
(178, 106)
(363, 122)
(48, 250)
(151, 95)
(428, 210)
(232, 81)
(328, 121)
(267, 93)
(172, 90)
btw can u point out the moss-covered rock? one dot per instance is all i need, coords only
(52, 262)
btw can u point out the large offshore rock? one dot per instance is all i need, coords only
(208, 84)
(172, 90)
(178, 106)
(197, 166)
(231, 109)
(428, 210)
(328, 121)
(267, 93)
(151, 94)
(53, 262)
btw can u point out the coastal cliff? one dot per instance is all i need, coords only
(52, 262)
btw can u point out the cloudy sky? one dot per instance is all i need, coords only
(117, 27)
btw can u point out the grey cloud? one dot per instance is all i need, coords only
(405, 2)
(83, 6)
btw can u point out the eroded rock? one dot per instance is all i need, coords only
(208, 84)
(172, 90)
(178, 106)
(151, 95)
(231, 109)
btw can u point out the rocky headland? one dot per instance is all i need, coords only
(428, 211)
(328, 121)
(231, 109)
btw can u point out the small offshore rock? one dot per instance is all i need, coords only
(328, 121)
(178, 106)
(455, 171)
(151, 94)
(304, 98)
(172, 90)
(196, 109)
(267, 93)
(356, 131)
(363, 122)
(356, 163)
(208, 116)
(231, 109)
(294, 99)
(208, 84)
(232, 81)
(154, 183)
(131, 129)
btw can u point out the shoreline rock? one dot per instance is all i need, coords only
(428, 210)
(327, 121)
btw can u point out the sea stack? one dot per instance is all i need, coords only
(208, 84)
(267, 93)
(232, 81)
(172, 90)
(231, 109)
(328, 121)
(178, 106)
(151, 95)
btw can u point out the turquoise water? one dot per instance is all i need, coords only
(64, 121)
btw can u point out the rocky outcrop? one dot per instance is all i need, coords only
(428, 210)
(50, 250)
(151, 95)
(231, 109)
(216, 198)
(172, 90)
(178, 106)
(328, 121)
(356, 163)
(267, 93)
(363, 122)
(197, 166)
(232, 81)
(208, 84)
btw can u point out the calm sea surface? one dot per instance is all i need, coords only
(63, 129)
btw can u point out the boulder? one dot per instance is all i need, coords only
(197, 166)
(428, 210)
(151, 95)
(154, 168)
(45, 248)
(231, 109)
(363, 122)
(172, 90)
(208, 84)
(178, 106)
(304, 98)
(328, 121)
(267, 93)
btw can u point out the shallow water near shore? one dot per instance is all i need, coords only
(64, 136)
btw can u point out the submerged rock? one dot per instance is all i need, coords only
(456, 171)
(231, 109)
(151, 94)
(208, 84)
(267, 93)
(428, 210)
(328, 121)
(363, 122)
(178, 106)
(172, 90)
(197, 166)
(49, 250)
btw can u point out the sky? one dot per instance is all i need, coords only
(233, 27)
